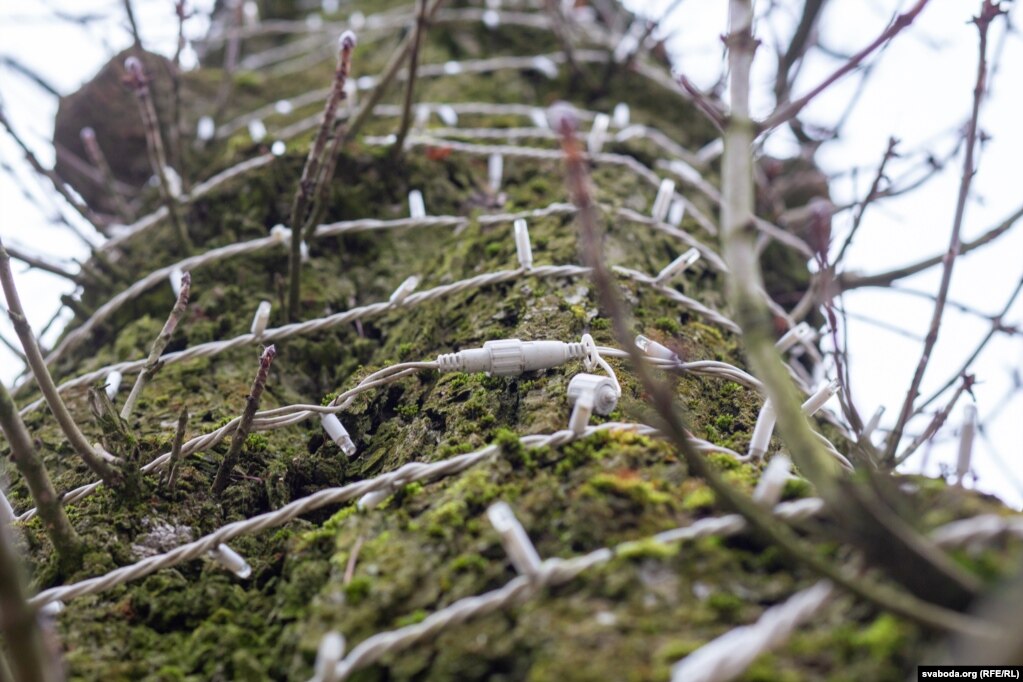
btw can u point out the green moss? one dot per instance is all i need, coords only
(627, 485)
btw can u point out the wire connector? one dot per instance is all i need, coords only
(404, 289)
(261, 319)
(416, 205)
(677, 266)
(510, 357)
(338, 433)
(605, 397)
(113, 383)
(662, 202)
(656, 350)
(598, 133)
(514, 539)
(522, 244)
(232, 561)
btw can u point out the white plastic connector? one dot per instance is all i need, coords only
(711, 151)
(404, 289)
(871, 425)
(447, 115)
(205, 129)
(52, 609)
(338, 433)
(582, 410)
(677, 266)
(103, 454)
(966, 435)
(629, 42)
(314, 22)
(685, 171)
(822, 395)
(772, 481)
(175, 281)
(232, 561)
(539, 118)
(629, 132)
(257, 130)
(113, 383)
(174, 187)
(510, 357)
(598, 133)
(366, 82)
(357, 21)
(802, 332)
(665, 193)
(452, 68)
(328, 655)
(261, 319)
(514, 539)
(620, 115)
(416, 205)
(522, 244)
(656, 350)
(676, 213)
(372, 499)
(281, 234)
(284, 106)
(495, 172)
(250, 13)
(278, 148)
(422, 116)
(605, 396)
(351, 95)
(7, 514)
(491, 19)
(303, 251)
(330, 6)
(761, 438)
(546, 66)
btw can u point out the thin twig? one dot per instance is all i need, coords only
(132, 24)
(99, 160)
(44, 265)
(223, 478)
(712, 111)
(784, 112)
(410, 84)
(65, 540)
(309, 183)
(153, 361)
(174, 463)
(997, 325)
(989, 10)
(42, 376)
(154, 143)
(939, 418)
(849, 281)
(873, 193)
(25, 649)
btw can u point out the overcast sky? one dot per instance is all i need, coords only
(920, 93)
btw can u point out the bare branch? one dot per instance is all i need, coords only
(223, 478)
(410, 85)
(847, 281)
(42, 376)
(153, 361)
(65, 540)
(784, 112)
(989, 10)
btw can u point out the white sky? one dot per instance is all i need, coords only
(920, 93)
